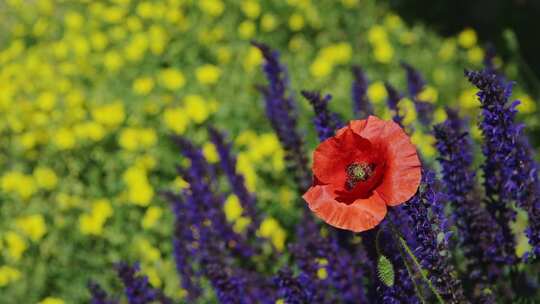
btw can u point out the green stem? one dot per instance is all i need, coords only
(409, 252)
(411, 275)
(422, 273)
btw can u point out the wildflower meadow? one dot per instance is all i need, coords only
(254, 151)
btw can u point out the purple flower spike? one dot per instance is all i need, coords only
(415, 85)
(325, 121)
(137, 288)
(362, 107)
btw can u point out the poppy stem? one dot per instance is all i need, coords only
(411, 275)
(423, 273)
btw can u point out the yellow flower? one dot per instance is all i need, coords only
(140, 192)
(425, 143)
(136, 48)
(475, 55)
(322, 273)
(152, 274)
(51, 300)
(448, 49)
(18, 183)
(46, 101)
(172, 79)
(176, 119)
(99, 41)
(109, 115)
(32, 226)
(338, 53)
(439, 116)
(468, 99)
(151, 217)
(73, 20)
(253, 59)
(408, 110)
(232, 208)
(377, 34)
(247, 29)
(92, 223)
(349, 3)
(376, 92)
(143, 85)
(16, 245)
(296, 42)
(268, 22)
(429, 94)
(241, 224)
(90, 130)
(321, 67)
(208, 74)
(251, 8)
(45, 178)
(113, 61)
(212, 7)
(271, 229)
(196, 108)
(383, 52)
(158, 39)
(527, 104)
(180, 184)
(393, 21)
(296, 22)
(467, 38)
(210, 152)
(132, 139)
(245, 166)
(8, 275)
(148, 252)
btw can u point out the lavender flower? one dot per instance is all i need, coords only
(502, 175)
(228, 287)
(236, 180)
(137, 288)
(428, 249)
(392, 101)
(99, 296)
(415, 84)
(362, 107)
(325, 121)
(281, 111)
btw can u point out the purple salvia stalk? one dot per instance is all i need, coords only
(137, 288)
(415, 85)
(428, 249)
(201, 180)
(394, 96)
(98, 295)
(187, 227)
(478, 233)
(283, 116)
(236, 180)
(501, 136)
(362, 107)
(293, 290)
(325, 121)
(228, 287)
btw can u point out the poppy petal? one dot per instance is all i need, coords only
(403, 169)
(361, 215)
(333, 155)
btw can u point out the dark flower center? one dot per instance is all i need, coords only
(358, 172)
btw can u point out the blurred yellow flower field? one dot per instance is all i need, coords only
(92, 91)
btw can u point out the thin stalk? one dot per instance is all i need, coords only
(409, 252)
(411, 275)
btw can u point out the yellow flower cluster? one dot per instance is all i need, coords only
(233, 213)
(92, 223)
(139, 190)
(383, 51)
(330, 56)
(272, 230)
(195, 109)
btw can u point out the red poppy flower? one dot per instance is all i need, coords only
(366, 166)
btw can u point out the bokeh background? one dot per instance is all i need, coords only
(90, 92)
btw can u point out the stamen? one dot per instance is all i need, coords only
(358, 172)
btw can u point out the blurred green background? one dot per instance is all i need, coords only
(90, 92)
